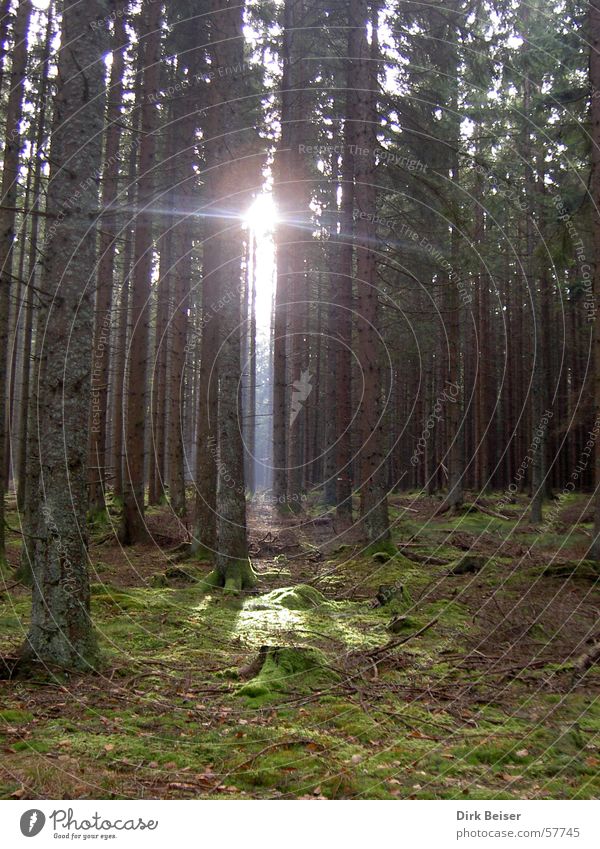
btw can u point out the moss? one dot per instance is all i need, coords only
(301, 597)
(289, 668)
(379, 548)
(399, 624)
(468, 564)
(174, 575)
(158, 580)
(15, 716)
(201, 553)
(238, 575)
(582, 569)
(381, 557)
(164, 725)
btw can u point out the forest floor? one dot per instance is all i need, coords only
(460, 682)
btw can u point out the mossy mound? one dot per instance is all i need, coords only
(400, 624)
(380, 548)
(301, 597)
(381, 556)
(468, 564)
(586, 570)
(282, 669)
(396, 569)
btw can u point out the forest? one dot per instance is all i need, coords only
(300, 399)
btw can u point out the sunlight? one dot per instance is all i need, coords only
(260, 220)
(261, 217)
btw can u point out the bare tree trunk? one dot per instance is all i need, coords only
(283, 194)
(134, 527)
(185, 128)
(594, 39)
(301, 378)
(122, 331)
(159, 378)
(61, 631)
(233, 566)
(106, 268)
(373, 505)
(10, 176)
(205, 510)
(344, 284)
(28, 442)
(4, 21)
(251, 411)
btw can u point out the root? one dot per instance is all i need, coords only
(237, 577)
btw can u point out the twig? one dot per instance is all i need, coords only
(393, 644)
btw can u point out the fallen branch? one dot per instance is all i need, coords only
(394, 644)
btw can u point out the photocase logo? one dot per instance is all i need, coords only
(32, 822)
(301, 389)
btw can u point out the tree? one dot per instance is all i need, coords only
(233, 569)
(134, 528)
(594, 72)
(106, 270)
(373, 499)
(60, 632)
(10, 175)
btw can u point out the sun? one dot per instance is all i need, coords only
(260, 222)
(261, 216)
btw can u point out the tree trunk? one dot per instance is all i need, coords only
(8, 202)
(233, 566)
(185, 128)
(32, 265)
(594, 38)
(373, 498)
(60, 631)
(205, 510)
(344, 285)
(134, 527)
(106, 267)
(282, 190)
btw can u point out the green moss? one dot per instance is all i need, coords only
(379, 548)
(289, 668)
(15, 716)
(301, 597)
(582, 569)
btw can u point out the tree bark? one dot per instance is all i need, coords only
(10, 176)
(105, 278)
(61, 630)
(373, 497)
(232, 566)
(594, 71)
(134, 528)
